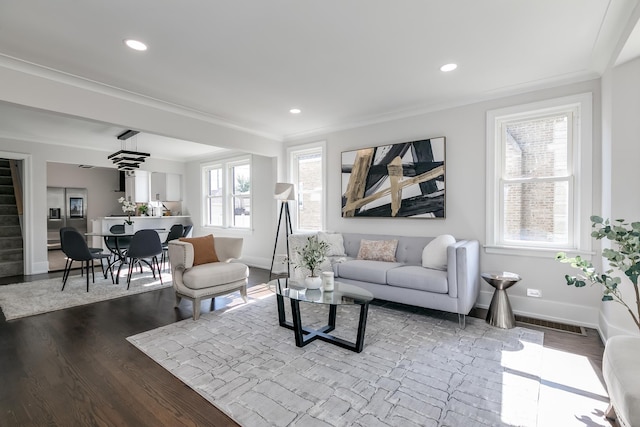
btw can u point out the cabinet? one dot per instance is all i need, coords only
(136, 186)
(166, 187)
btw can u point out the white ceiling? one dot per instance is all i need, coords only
(344, 63)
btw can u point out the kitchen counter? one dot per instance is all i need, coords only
(102, 225)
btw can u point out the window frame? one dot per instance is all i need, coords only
(579, 176)
(228, 192)
(292, 153)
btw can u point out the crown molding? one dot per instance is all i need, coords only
(497, 93)
(58, 76)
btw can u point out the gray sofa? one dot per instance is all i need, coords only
(406, 281)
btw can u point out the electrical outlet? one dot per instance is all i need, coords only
(534, 293)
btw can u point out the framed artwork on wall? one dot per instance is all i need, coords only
(399, 180)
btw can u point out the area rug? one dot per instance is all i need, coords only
(42, 296)
(417, 368)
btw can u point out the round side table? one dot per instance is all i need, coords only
(500, 313)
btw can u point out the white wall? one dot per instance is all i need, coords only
(37, 157)
(464, 129)
(621, 113)
(101, 184)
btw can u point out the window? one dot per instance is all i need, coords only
(307, 174)
(227, 194)
(538, 175)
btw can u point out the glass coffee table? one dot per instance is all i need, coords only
(343, 294)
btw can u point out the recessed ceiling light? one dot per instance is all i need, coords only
(448, 67)
(135, 44)
(295, 111)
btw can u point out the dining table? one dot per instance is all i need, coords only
(120, 252)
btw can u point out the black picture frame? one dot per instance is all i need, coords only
(76, 207)
(415, 170)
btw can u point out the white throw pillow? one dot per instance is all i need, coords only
(335, 242)
(434, 255)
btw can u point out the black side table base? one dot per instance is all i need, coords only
(304, 335)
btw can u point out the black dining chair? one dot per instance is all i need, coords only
(145, 245)
(187, 230)
(92, 250)
(175, 232)
(117, 245)
(75, 248)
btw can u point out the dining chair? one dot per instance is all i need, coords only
(75, 248)
(187, 230)
(175, 232)
(145, 247)
(117, 245)
(67, 261)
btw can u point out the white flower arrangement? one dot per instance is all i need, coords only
(128, 207)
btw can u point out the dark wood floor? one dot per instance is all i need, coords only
(75, 367)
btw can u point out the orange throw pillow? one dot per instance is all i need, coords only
(204, 250)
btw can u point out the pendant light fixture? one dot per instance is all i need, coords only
(128, 159)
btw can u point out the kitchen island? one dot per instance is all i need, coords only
(102, 225)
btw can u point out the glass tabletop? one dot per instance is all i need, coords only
(343, 293)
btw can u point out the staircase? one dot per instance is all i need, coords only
(11, 252)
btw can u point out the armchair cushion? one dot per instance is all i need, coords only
(214, 274)
(204, 250)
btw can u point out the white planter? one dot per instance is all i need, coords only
(311, 282)
(128, 229)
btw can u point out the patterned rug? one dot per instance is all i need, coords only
(417, 368)
(42, 296)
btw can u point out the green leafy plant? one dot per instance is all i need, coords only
(143, 209)
(312, 254)
(625, 257)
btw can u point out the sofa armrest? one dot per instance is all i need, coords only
(463, 273)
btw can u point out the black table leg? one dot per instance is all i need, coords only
(304, 335)
(297, 324)
(362, 325)
(282, 320)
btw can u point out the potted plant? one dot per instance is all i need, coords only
(312, 255)
(625, 257)
(128, 207)
(143, 209)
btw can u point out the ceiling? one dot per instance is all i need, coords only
(343, 63)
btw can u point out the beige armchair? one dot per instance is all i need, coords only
(207, 280)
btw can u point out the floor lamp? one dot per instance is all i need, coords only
(284, 193)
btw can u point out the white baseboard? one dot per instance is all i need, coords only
(39, 268)
(548, 310)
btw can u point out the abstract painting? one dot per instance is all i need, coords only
(397, 180)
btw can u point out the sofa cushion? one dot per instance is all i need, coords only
(420, 278)
(212, 274)
(434, 254)
(335, 242)
(378, 250)
(366, 270)
(204, 250)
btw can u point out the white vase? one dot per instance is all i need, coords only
(312, 282)
(128, 228)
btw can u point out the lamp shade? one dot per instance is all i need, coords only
(284, 191)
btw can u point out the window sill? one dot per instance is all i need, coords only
(229, 230)
(535, 252)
